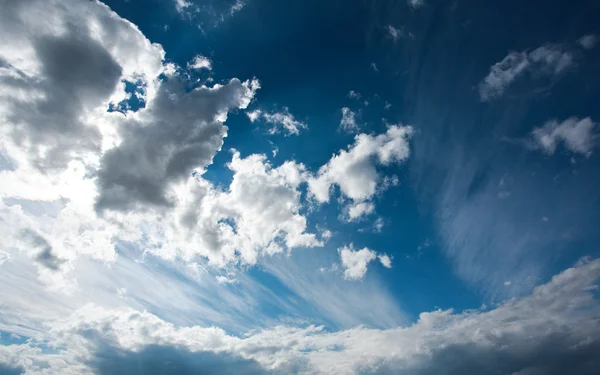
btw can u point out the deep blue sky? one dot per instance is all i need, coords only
(309, 54)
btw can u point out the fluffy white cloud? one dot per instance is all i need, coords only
(355, 262)
(543, 333)
(355, 170)
(79, 178)
(200, 62)
(348, 122)
(385, 260)
(549, 60)
(576, 134)
(357, 210)
(281, 121)
(257, 214)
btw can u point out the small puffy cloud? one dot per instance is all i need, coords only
(549, 60)
(374, 67)
(394, 33)
(354, 94)
(200, 62)
(577, 135)
(281, 121)
(348, 122)
(357, 210)
(588, 41)
(355, 170)
(385, 260)
(355, 262)
(182, 5)
(378, 225)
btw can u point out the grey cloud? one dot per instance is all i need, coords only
(45, 256)
(77, 73)
(557, 354)
(155, 359)
(176, 133)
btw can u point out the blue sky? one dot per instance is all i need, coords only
(310, 187)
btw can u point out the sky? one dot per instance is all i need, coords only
(299, 187)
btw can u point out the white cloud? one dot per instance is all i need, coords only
(588, 41)
(552, 331)
(348, 122)
(394, 33)
(124, 176)
(200, 62)
(378, 225)
(281, 121)
(374, 67)
(354, 95)
(355, 262)
(355, 170)
(357, 210)
(385, 260)
(576, 134)
(549, 60)
(182, 5)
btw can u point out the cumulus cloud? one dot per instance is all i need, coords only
(385, 260)
(577, 135)
(348, 122)
(549, 60)
(357, 210)
(258, 214)
(354, 170)
(355, 262)
(57, 71)
(552, 331)
(281, 121)
(163, 143)
(200, 62)
(89, 177)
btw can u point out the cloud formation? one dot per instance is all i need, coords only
(577, 135)
(355, 262)
(163, 143)
(354, 170)
(549, 60)
(348, 122)
(281, 121)
(551, 331)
